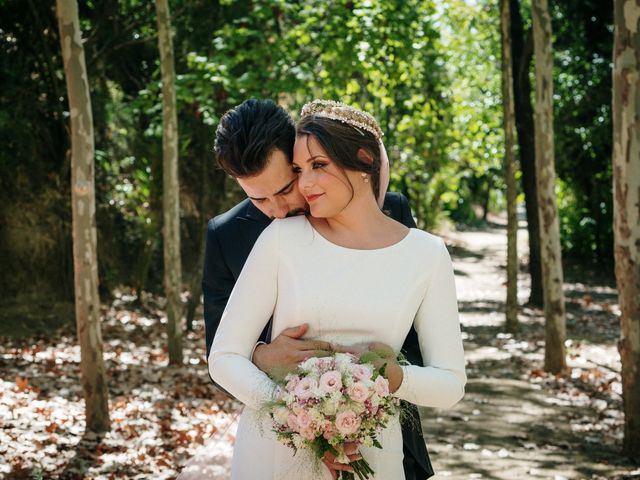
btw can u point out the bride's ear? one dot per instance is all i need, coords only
(365, 156)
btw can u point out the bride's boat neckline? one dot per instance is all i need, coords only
(380, 249)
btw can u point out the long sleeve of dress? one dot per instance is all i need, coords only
(249, 308)
(440, 383)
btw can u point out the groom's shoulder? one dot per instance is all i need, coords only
(394, 198)
(397, 207)
(228, 221)
(395, 202)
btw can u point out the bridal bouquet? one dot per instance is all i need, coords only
(331, 401)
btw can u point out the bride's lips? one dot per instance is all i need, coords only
(311, 198)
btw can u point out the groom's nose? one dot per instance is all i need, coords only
(280, 208)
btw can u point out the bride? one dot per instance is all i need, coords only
(356, 276)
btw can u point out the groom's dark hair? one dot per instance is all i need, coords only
(247, 135)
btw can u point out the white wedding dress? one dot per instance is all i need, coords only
(346, 296)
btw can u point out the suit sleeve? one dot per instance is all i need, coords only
(440, 383)
(249, 308)
(217, 283)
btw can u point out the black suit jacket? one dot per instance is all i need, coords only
(230, 238)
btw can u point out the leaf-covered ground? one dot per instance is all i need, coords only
(159, 415)
(515, 422)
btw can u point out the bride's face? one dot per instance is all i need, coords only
(327, 188)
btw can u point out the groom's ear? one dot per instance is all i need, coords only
(365, 156)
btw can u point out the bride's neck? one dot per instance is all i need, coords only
(361, 221)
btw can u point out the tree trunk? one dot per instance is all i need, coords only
(510, 170)
(554, 308)
(195, 286)
(83, 205)
(626, 212)
(170, 186)
(522, 53)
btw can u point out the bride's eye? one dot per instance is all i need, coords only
(319, 165)
(296, 169)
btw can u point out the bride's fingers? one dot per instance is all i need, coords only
(332, 471)
(342, 466)
(332, 464)
(351, 448)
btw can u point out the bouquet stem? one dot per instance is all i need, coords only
(361, 470)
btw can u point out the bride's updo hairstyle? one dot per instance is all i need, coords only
(342, 131)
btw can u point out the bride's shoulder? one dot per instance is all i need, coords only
(292, 227)
(428, 243)
(292, 224)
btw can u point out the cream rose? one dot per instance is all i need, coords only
(358, 392)
(360, 372)
(306, 388)
(381, 386)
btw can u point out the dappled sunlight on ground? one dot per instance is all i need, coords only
(516, 421)
(160, 415)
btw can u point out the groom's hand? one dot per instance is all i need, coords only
(287, 350)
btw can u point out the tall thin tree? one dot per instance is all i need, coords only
(522, 51)
(626, 213)
(83, 205)
(170, 185)
(552, 278)
(509, 169)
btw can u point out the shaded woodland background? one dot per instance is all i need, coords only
(430, 72)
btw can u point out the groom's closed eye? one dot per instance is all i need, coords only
(288, 190)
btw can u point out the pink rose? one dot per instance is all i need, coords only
(328, 430)
(308, 433)
(292, 422)
(360, 372)
(381, 386)
(331, 382)
(304, 419)
(306, 388)
(347, 422)
(292, 383)
(358, 392)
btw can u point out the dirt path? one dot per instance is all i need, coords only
(515, 421)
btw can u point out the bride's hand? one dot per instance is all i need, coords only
(378, 354)
(331, 461)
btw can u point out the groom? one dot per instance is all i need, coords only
(254, 144)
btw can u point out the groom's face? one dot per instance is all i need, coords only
(274, 191)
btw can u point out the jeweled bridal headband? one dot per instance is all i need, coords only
(343, 113)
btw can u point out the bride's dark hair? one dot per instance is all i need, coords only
(342, 142)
